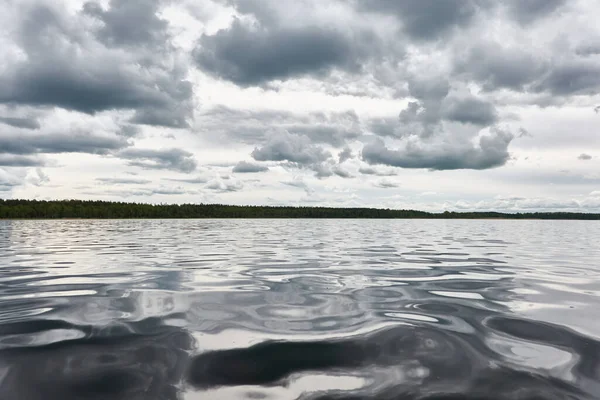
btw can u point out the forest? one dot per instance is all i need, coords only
(41, 209)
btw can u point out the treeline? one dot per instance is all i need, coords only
(39, 209)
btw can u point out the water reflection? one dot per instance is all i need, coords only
(401, 362)
(298, 310)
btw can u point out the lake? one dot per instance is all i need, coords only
(299, 309)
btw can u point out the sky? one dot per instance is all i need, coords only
(408, 104)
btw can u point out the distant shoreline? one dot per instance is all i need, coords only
(80, 209)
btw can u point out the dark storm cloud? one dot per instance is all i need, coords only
(284, 146)
(66, 67)
(491, 151)
(12, 160)
(425, 19)
(168, 159)
(123, 181)
(54, 143)
(584, 157)
(255, 55)
(254, 127)
(244, 167)
(24, 123)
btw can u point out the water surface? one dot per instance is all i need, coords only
(299, 309)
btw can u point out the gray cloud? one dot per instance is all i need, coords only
(117, 28)
(300, 184)
(527, 11)
(254, 127)
(24, 123)
(491, 152)
(496, 66)
(345, 154)
(373, 171)
(219, 185)
(572, 78)
(9, 179)
(588, 49)
(255, 55)
(246, 167)
(142, 192)
(168, 159)
(386, 184)
(342, 173)
(470, 110)
(425, 19)
(584, 157)
(54, 143)
(12, 160)
(123, 181)
(283, 146)
(437, 102)
(66, 67)
(194, 181)
(39, 179)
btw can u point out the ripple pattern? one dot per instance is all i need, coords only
(299, 309)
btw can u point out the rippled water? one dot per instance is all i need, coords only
(299, 309)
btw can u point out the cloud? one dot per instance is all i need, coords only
(117, 29)
(342, 173)
(123, 181)
(254, 126)
(578, 77)
(253, 55)
(168, 159)
(70, 66)
(39, 178)
(496, 66)
(12, 160)
(218, 185)
(143, 192)
(54, 143)
(24, 123)
(528, 11)
(244, 167)
(9, 180)
(584, 157)
(374, 171)
(284, 146)
(425, 19)
(194, 180)
(345, 154)
(298, 182)
(470, 110)
(386, 184)
(491, 152)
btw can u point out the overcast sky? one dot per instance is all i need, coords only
(426, 104)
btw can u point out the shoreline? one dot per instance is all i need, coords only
(87, 210)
